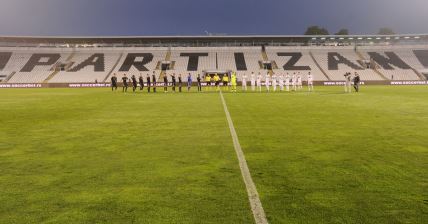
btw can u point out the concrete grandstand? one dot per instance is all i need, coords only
(95, 59)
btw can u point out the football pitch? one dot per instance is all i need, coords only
(94, 156)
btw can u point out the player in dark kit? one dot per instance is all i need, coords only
(357, 82)
(141, 82)
(199, 83)
(114, 82)
(134, 83)
(180, 83)
(165, 83)
(154, 82)
(148, 83)
(125, 83)
(173, 82)
(129, 82)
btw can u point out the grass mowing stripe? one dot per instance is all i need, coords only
(92, 156)
(253, 195)
(330, 157)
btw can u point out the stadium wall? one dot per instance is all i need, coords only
(108, 85)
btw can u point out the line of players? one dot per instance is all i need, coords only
(281, 82)
(151, 82)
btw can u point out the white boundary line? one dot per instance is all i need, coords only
(253, 196)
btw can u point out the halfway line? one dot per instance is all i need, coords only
(253, 196)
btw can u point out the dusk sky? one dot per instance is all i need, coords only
(193, 17)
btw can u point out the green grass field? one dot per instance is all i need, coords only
(93, 156)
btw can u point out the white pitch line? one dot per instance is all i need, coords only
(253, 196)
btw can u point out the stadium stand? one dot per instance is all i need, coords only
(193, 60)
(87, 63)
(15, 62)
(389, 63)
(416, 57)
(294, 60)
(28, 66)
(337, 61)
(38, 67)
(139, 60)
(88, 66)
(4, 59)
(422, 56)
(242, 60)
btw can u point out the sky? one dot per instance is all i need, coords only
(194, 17)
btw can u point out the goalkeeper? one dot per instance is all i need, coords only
(233, 82)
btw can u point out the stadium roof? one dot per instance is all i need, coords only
(258, 39)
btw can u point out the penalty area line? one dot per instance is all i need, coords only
(253, 195)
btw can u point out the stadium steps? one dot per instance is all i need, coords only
(266, 58)
(2, 77)
(360, 55)
(114, 66)
(161, 75)
(167, 58)
(319, 66)
(51, 76)
(380, 73)
(68, 59)
(362, 58)
(168, 55)
(71, 55)
(8, 77)
(422, 77)
(158, 65)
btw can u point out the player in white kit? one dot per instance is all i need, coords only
(274, 81)
(310, 82)
(287, 82)
(294, 81)
(348, 79)
(281, 82)
(244, 82)
(299, 81)
(259, 82)
(253, 82)
(267, 81)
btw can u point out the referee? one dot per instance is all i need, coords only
(148, 83)
(199, 83)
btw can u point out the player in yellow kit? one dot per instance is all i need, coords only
(208, 81)
(217, 82)
(233, 82)
(225, 82)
